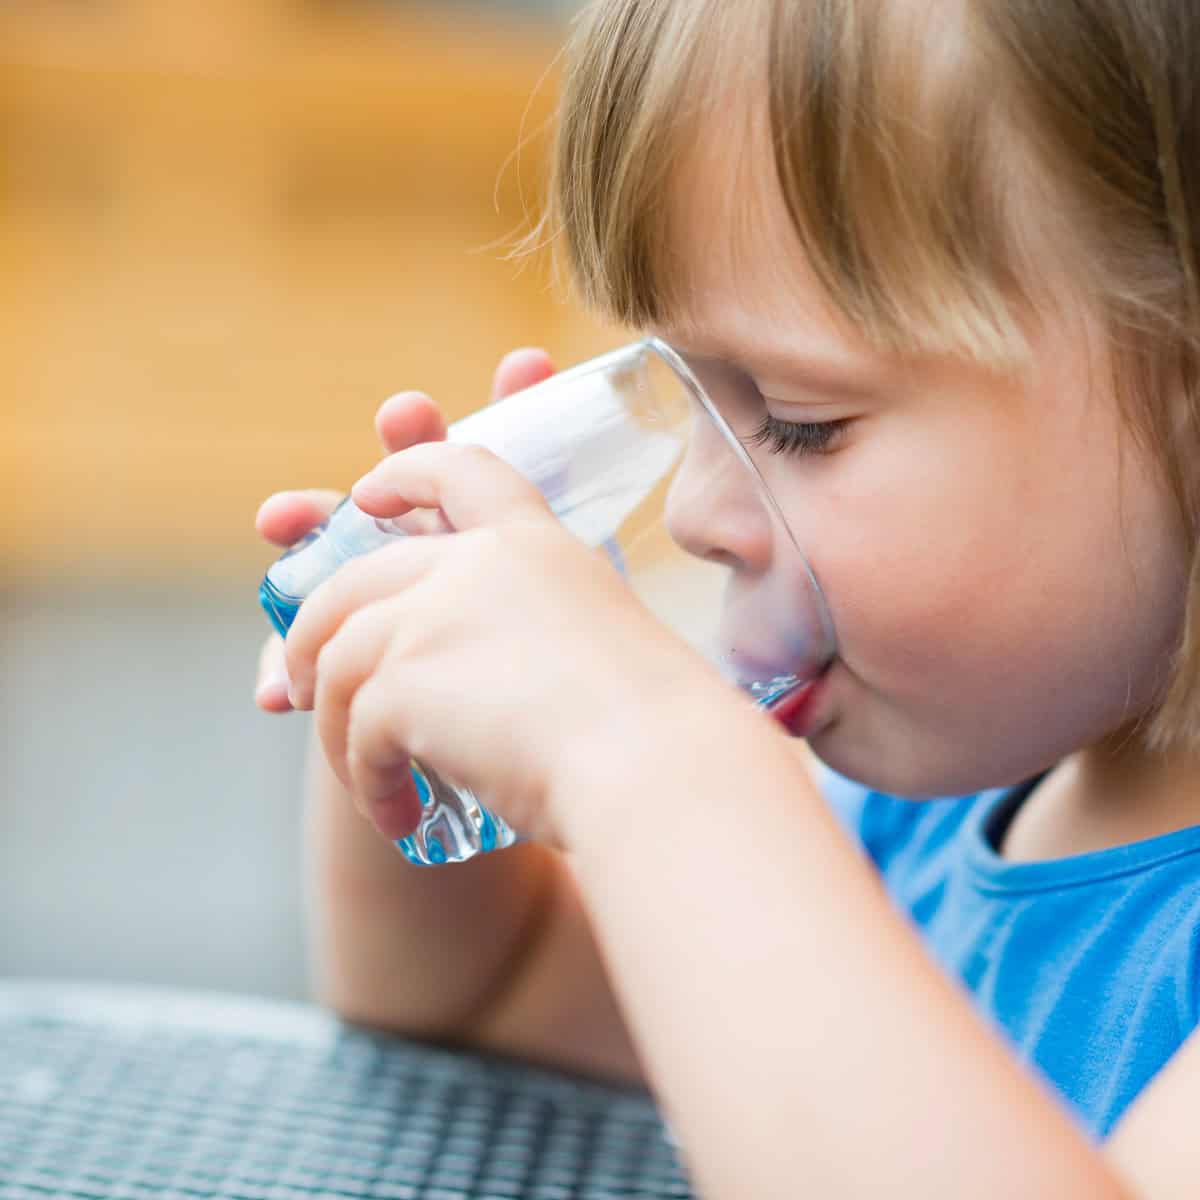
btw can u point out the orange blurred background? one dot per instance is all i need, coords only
(228, 230)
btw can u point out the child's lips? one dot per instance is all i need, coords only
(797, 711)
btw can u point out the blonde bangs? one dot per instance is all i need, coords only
(884, 159)
(620, 136)
(886, 141)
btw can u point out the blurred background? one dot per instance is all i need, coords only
(228, 230)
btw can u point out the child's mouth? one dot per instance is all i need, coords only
(797, 710)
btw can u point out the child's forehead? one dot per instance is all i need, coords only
(737, 269)
(768, 321)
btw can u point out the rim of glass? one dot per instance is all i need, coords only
(679, 365)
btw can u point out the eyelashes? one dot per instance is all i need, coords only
(797, 437)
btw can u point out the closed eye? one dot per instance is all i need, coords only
(797, 437)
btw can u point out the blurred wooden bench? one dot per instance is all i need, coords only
(227, 231)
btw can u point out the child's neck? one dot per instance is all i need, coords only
(1108, 795)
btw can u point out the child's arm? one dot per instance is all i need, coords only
(801, 1040)
(1155, 1144)
(496, 953)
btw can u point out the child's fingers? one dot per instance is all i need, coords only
(520, 369)
(287, 516)
(347, 660)
(271, 689)
(356, 584)
(408, 418)
(379, 766)
(405, 419)
(470, 485)
(398, 813)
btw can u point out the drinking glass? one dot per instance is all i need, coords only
(635, 458)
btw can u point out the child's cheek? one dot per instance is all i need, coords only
(917, 567)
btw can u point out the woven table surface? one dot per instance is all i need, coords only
(133, 1094)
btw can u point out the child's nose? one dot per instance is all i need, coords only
(715, 509)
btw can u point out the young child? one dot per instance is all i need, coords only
(948, 251)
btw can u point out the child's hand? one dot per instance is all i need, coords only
(401, 421)
(503, 655)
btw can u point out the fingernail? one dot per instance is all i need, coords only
(273, 693)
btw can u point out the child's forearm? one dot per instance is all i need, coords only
(496, 953)
(799, 1037)
(408, 948)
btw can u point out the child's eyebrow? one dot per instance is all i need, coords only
(806, 367)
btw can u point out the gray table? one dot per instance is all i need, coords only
(133, 1094)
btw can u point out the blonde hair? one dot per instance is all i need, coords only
(911, 143)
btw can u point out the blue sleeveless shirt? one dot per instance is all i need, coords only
(1088, 965)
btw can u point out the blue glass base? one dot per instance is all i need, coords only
(454, 825)
(279, 608)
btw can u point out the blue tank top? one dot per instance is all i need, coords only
(1088, 965)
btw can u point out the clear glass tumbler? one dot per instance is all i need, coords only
(637, 460)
